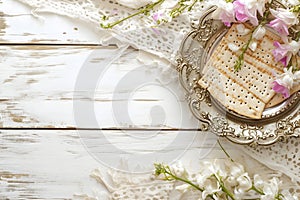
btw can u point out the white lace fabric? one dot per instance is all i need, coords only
(164, 42)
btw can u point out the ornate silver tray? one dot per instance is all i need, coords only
(277, 124)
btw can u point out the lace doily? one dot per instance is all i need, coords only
(282, 156)
(163, 42)
(128, 186)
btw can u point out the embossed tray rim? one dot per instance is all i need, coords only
(239, 131)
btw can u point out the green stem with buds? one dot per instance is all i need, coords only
(166, 171)
(240, 61)
(169, 176)
(143, 10)
(181, 7)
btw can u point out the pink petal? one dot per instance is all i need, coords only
(281, 89)
(284, 61)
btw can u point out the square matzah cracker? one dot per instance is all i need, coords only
(252, 84)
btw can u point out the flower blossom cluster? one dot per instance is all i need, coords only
(260, 13)
(224, 179)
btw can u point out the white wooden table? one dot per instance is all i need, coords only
(44, 152)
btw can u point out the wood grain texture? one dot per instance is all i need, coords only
(43, 86)
(19, 24)
(56, 165)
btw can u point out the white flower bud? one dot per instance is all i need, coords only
(233, 47)
(253, 45)
(294, 47)
(259, 32)
(242, 30)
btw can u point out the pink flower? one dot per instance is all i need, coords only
(286, 81)
(288, 17)
(279, 26)
(246, 10)
(240, 11)
(156, 16)
(283, 19)
(225, 12)
(284, 52)
(227, 18)
(281, 53)
(281, 89)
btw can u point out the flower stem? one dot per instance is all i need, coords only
(181, 6)
(169, 176)
(223, 149)
(240, 61)
(224, 189)
(167, 172)
(257, 190)
(144, 10)
(185, 181)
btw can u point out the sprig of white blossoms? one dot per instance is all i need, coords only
(223, 179)
(156, 11)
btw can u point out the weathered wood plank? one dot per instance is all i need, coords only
(48, 86)
(56, 164)
(19, 25)
(37, 164)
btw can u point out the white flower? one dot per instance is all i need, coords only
(211, 186)
(259, 33)
(294, 47)
(289, 18)
(242, 30)
(204, 174)
(236, 169)
(249, 9)
(258, 182)
(260, 5)
(245, 182)
(288, 78)
(271, 189)
(288, 196)
(218, 168)
(178, 169)
(224, 12)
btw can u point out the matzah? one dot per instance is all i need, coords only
(254, 79)
(225, 91)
